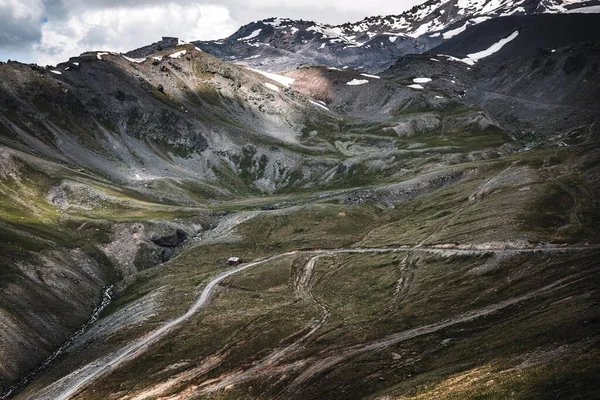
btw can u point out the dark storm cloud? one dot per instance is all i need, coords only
(17, 33)
(55, 9)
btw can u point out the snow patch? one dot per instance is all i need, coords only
(415, 86)
(76, 64)
(421, 80)
(319, 105)
(454, 32)
(252, 35)
(271, 86)
(99, 55)
(276, 22)
(158, 58)
(450, 58)
(474, 57)
(135, 60)
(585, 10)
(356, 82)
(284, 80)
(56, 72)
(334, 34)
(178, 54)
(393, 38)
(423, 29)
(371, 76)
(479, 20)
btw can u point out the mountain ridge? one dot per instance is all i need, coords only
(374, 42)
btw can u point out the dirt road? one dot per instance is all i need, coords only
(69, 385)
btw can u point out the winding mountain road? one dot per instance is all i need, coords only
(69, 385)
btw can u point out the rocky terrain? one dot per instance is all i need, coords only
(429, 231)
(374, 43)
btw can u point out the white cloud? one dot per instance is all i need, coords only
(23, 9)
(51, 31)
(357, 7)
(124, 28)
(324, 11)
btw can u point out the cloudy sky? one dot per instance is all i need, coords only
(51, 31)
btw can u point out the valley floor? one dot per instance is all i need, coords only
(322, 313)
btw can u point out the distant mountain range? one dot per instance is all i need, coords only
(374, 43)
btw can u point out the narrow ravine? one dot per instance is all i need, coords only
(72, 383)
(104, 302)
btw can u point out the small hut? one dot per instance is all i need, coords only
(234, 261)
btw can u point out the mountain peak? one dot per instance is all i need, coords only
(373, 43)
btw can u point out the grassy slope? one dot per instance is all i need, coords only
(541, 196)
(523, 349)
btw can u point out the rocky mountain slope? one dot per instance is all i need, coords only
(374, 43)
(427, 232)
(541, 81)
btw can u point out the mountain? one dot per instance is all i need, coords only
(539, 81)
(102, 140)
(174, 225)
(374, 43)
